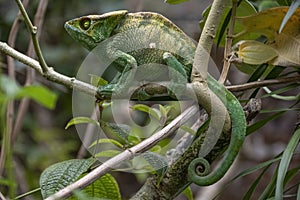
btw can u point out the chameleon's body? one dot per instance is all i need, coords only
(150, 36)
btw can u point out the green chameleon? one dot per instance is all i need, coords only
(134, 41)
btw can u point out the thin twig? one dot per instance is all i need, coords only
(33, 32)
(258, 84)
(126, 155)
(227, 51)
(30, 73)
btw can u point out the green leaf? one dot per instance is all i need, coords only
(188, 193)
(246, 68)
(62, 174)
(97, 80)
(267, 193)
(254, 185)
(107, 153)
(40, 94)
(8, 86)
(261, 123)
(107, 140)
(158, 162)
(284, 163)
(81, 120)
(121, 131)
(146, 109)
(163, 111)
(282, 90)
(291, 174)
(104, 188)
(175, 1)
(281, 97)
(248, 171)
(188, 129)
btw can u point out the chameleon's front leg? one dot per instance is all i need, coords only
(120, 84)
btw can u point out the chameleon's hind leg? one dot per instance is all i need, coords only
(177, 74)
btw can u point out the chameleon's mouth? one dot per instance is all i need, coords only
(79, 35)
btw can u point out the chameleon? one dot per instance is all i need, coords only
(135, 40)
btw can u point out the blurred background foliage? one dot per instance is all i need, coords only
(43, 139)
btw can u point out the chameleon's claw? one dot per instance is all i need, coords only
(167, 55)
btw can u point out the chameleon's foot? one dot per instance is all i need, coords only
(105, 92)
(142, 95)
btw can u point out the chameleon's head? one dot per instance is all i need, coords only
(93, 29)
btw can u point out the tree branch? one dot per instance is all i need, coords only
(202, 53)
(51, 75)
(33, 31)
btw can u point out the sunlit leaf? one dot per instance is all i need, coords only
(81, 120)
(146, 109)
(268, 22)
(107, 140)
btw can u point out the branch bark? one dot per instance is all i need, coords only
(51, 75)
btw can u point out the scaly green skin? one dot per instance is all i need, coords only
(238, 130)
(138, 31)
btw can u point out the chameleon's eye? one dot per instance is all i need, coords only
(85, 23)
